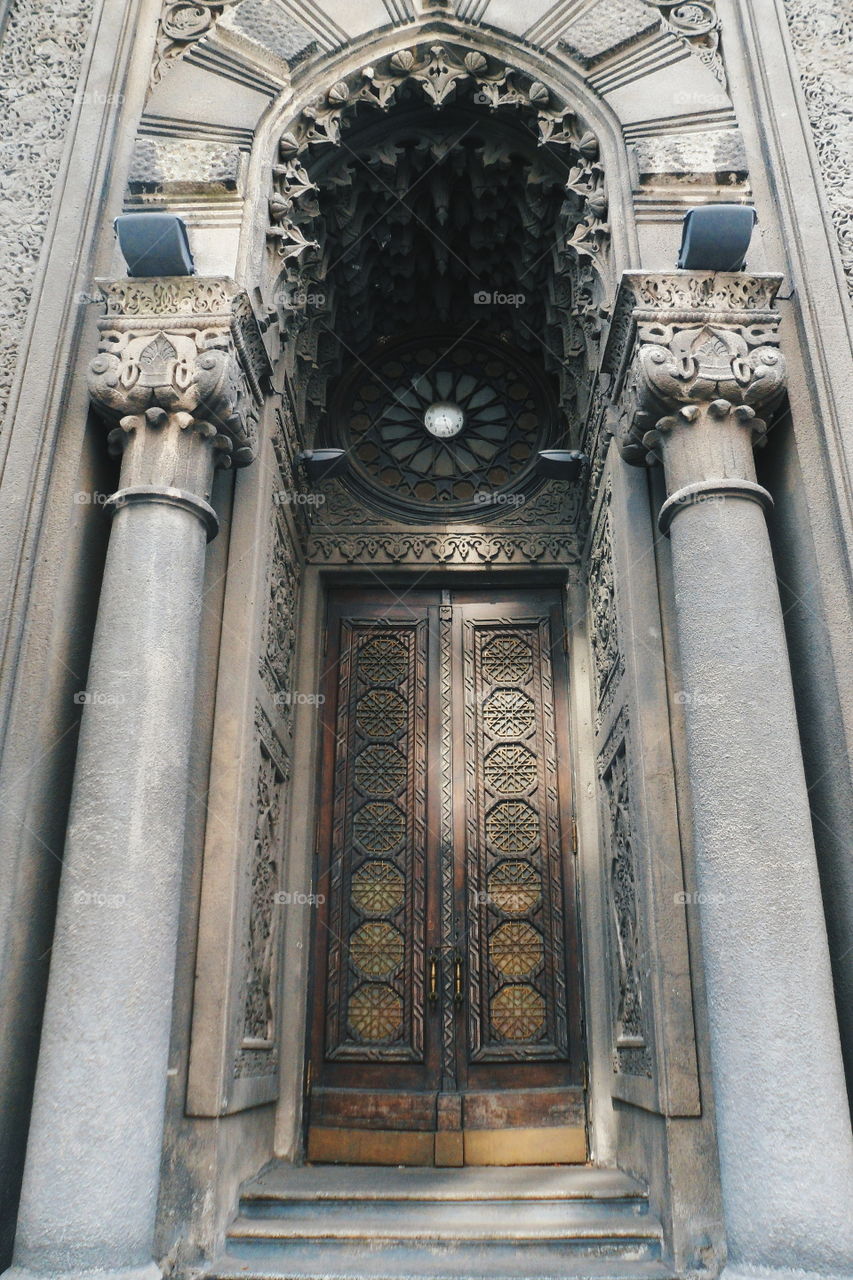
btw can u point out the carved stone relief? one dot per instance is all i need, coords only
(342, 208)
(182, 22)
(259, 1014)
(39, 67)
(631, 1052)
(822, 35)
(182, 350)
(607, 28)
(278, 637)
(608, 662)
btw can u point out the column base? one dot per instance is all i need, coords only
(148, 1271)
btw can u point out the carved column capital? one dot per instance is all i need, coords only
(699, 361)
(179, 376)
(182, 348)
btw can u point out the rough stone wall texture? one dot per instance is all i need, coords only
(822, 35)
(40, 60)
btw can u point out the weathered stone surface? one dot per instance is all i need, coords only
(39, 67)
(269, 24)
(606, 27)
(183, 167)
(700, 155)
(822, 34)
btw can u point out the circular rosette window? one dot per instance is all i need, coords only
(443, 427)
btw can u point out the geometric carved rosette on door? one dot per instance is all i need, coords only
(376, 954)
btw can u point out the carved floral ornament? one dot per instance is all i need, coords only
(180, 352)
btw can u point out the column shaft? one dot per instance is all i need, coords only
(90, 1191)
(179, 381)
(782, 1118)
(706, 358)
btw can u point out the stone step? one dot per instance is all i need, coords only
(542, 1223)
(523, 1182)
(506, 1263)
(410, 1220)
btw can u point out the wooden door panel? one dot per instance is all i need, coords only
(371, 944)
(445, 848)
(515, 851)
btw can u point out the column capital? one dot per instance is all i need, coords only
(694, 360)
(681, 341)
(180, 352)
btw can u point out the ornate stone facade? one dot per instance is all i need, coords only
(262, 945)
(38, 75)
(631, 1051)
(822, 35)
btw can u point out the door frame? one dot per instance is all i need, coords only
(300, 864)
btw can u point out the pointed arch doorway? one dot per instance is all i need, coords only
(441, 282)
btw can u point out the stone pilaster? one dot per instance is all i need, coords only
(178, 379)
(698, 364)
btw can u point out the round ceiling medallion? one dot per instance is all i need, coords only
(442, 426)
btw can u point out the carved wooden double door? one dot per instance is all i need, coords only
(446, 1024)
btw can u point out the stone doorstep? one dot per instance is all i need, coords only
(545, 1223)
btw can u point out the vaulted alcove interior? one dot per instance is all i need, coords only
(446, 248)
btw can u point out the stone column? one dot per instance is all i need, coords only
(702, 359)
(177, 379)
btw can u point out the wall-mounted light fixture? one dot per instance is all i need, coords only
(154, 244)
(716, 237)
(561, 464)
(322, 464)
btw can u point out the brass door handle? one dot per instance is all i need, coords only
(433, 978)
(457, 979)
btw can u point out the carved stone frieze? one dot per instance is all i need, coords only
(259, 1014)
(278, 637)
(182, 352)
(39, 66)
(430, 547)
(608, 661)
(822, 35)
(631, 1052)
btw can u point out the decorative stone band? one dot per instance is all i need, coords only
(185, 353)
(170, 497)
(692, 357)
(711, 491)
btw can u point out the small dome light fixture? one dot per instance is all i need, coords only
(444, 419)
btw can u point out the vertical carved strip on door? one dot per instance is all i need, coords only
(376, 920)
(446, 850)
(517, 979)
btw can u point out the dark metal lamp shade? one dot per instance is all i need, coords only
(154, 244)
(716, 237)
